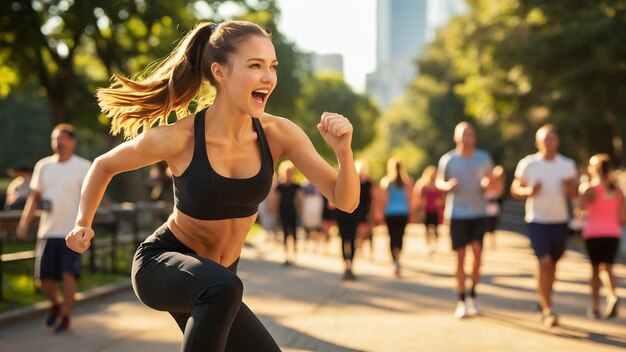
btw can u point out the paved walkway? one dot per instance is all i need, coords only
(307, 308)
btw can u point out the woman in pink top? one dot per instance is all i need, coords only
(604, 203)
(428, 203)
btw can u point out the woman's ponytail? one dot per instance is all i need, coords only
(135, 105)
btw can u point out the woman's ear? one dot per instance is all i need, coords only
(218, 72)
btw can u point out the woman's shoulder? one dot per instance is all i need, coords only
(276, 123)
(176, 134)
(280, 129)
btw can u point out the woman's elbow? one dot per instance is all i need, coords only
(102, 166)
(348, 207)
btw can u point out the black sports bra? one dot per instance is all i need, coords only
(202, 193)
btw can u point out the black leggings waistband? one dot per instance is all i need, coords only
(164, 240)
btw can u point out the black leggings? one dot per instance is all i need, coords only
(395, 226)
(347, 231)
(288, 223)
(203, 297)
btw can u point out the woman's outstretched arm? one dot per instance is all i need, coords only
(145, 149)
(340, 187)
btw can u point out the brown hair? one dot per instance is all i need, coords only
(602, 163)
(427, 175)
(396, 172)
(172, 83)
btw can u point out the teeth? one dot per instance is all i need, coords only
(262, 91)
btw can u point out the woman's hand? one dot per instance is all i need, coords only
(79, 239)
(336, 131)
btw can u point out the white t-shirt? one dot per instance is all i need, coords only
(549, 206)
(59, 184)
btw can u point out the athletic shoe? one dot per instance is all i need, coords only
(461, 310)
(549, 319)
(593, 314)
(52, 317)
(348, 276)
(612, 303)
(398, 270)
(63, 326)
(473, 307)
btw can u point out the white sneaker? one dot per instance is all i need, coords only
(473, 307)
(461, 310)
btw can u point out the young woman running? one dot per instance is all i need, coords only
(222, 159)
(603, 202)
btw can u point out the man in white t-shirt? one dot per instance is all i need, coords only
(546, 179)
(56, 183)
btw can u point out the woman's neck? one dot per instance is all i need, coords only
(227, 119)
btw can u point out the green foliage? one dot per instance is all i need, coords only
(20, 289)
(508, 67)
(529, 62)
(327, 91)
(55, 54)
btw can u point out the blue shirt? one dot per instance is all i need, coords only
(467, 201)
(397, 203)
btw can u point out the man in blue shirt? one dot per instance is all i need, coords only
(463, 173)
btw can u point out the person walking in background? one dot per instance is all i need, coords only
(222, 160)
(19, 188)
(427, 206)
(347, 224)
(268, 213)
(160, 184)
(365, 210)
(494, 192)
(289, 199)
(463, 174)
(328, 218)
(603, 203)
(546, 179)
(312, 208)
(396, 189)
(56, 182)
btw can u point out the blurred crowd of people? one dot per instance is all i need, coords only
(465, 191)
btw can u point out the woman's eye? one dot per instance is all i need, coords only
(274, 68)
(255, 66)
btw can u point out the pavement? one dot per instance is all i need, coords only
(307, 307)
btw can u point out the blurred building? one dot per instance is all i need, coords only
(403, 28)
(324, 62)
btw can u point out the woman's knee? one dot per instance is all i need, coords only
(228, 289)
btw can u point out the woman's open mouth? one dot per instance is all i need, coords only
(260, 96)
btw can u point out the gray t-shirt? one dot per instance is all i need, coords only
(467, 201)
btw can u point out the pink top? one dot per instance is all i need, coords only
(434, 199)
(603, 215)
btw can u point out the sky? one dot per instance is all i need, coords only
(346, 27)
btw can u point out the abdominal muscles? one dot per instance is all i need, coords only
(218, 240)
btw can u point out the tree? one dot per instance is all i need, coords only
(326, 91)
(528, 62)
(71, 47)
(510, 66)
(62, 50)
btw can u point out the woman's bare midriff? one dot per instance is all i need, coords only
(218, 240)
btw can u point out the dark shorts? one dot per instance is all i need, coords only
(602, 249)
(548, 239)
(431, 219)
(53, 258)
(466, 231)
(492, 223)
